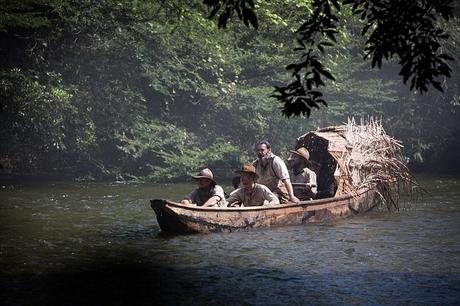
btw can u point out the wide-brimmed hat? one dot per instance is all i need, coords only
(204, 173)
(303, 152)
(248, 168)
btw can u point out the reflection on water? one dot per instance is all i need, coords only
(89, 243)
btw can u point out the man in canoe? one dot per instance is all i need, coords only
(273, 173)
(251, 193)
(208, 192)
(303, 179)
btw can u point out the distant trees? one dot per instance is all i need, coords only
(154, 90)
(407, 30)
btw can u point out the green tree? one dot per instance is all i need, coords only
(406, 30)
(154, 89)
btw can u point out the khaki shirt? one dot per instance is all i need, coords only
(306, 176)
(272, 174)
(200, 196)
(256, 197)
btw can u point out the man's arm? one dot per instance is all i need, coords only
(212, 201)
(217, 199)
(234, 198)
(188, 199)
(282, 172)
(270, 198)
(288, 185)
(313, 185)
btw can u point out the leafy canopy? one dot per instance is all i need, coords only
(406, 30)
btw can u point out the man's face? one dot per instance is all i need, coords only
(294, 161)
(203, 182)
(262, 150)
(247, 180)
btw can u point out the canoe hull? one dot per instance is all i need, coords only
(175, 218)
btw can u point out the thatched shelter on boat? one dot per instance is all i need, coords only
(353, 156)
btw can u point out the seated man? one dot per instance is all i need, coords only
(303, 179)
(251, 193)
(208, 192)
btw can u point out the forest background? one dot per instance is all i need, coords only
(153, 90)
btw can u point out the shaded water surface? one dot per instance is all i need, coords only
(99, 244)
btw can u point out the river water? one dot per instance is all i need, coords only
(99, 244)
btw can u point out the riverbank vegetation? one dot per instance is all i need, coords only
(154, 90)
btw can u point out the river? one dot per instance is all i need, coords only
(99, 244)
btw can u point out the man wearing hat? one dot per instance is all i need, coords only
(303, 179)
(250, 193)
(208, 192)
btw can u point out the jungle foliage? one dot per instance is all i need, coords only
(154, 89)
(406, 30)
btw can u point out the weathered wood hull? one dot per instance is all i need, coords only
(175, 218)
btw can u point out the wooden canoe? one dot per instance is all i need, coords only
(351, 156)
(176, 218)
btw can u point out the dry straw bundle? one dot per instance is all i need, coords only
(376, 159)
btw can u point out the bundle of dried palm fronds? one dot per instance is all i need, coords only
(376, 160)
